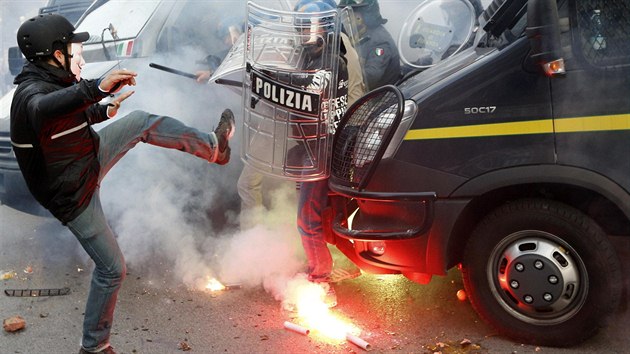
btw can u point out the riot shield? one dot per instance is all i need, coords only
(436, 30)
(229, 72)
(291, 60)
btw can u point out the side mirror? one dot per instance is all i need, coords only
(543, 31)
(16, 60)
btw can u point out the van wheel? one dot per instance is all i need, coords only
(542, 272)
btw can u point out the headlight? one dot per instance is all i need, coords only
(411, 109)
(377, 248)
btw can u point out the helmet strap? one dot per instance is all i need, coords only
(66, 56)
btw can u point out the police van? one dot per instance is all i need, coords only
(510, 159)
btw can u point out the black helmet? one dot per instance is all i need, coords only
(37, 35)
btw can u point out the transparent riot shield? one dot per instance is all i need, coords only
(290, 64)
(436, 30)
(229, 72)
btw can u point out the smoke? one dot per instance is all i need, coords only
(270, 253)
(176, 214)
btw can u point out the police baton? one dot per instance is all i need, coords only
(173, 71)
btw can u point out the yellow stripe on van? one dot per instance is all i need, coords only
(589, 124)
(544, 126)
(469, 131)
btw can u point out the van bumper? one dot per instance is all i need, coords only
(383, 233)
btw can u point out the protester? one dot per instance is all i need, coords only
(377, 50)
(63, 159)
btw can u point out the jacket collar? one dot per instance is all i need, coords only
(46, 72)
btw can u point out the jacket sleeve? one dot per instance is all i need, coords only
(75, 98)
(96, 113)
(377, 62)
(356, 86)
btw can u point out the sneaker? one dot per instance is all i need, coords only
(339, 274)
(224, 132)
(108, 350)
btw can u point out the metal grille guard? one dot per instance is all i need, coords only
(363, 135)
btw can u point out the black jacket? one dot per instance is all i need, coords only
(51, 133)
(379, 57)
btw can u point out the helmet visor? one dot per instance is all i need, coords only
(79, 37)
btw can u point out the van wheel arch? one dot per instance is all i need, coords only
(613, 221)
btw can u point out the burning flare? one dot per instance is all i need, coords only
(314, 314)
(214, 285)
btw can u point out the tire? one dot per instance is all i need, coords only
(542, 273)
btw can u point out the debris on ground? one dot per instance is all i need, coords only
(183, 346)
(464, 346)
(7, 275)
(36, 292)
(28, 270)
(13, 324)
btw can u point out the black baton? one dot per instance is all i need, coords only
(172, 71)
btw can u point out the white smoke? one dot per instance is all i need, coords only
(174, 209)
(175, 214)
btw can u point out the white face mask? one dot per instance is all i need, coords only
(77, 62)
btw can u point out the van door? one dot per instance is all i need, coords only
(591, 105)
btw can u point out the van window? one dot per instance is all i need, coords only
(70, 9)
(127, 19)
(602, 31)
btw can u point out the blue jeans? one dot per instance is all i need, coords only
(312, 202)
(91, 227)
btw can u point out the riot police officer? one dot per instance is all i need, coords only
(377, 49)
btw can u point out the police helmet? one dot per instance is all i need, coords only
(314, 27)
(301, 3)
(304, 22)
(37, 36)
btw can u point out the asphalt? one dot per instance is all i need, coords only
(156, 313)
